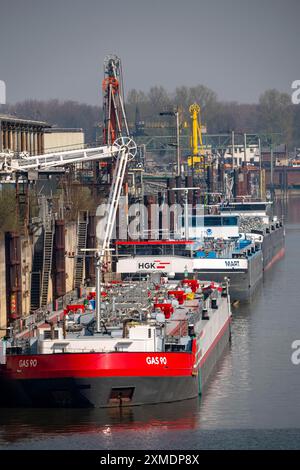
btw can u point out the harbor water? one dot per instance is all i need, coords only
(252, 400)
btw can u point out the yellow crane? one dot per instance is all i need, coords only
(196, 160)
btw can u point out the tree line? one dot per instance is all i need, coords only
(274, 113)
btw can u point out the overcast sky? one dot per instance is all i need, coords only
(239, 48)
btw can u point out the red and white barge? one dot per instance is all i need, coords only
(155, 349)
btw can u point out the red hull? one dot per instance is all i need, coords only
(114, 364)
(99, 379)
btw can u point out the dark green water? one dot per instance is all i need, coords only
(251, 402)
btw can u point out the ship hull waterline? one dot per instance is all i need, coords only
(243, 284)
(157, 383)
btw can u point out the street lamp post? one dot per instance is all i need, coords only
(99, 264)
(260, 170)
(177, 143)
(176, 115)
(232, 146)
(272, 169)
(98, 292)
(245, 150)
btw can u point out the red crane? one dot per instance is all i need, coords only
(114, 117)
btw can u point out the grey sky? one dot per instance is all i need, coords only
(239, 48)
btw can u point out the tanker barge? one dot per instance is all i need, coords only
(256, 223)
(156, 344)
(240, 242)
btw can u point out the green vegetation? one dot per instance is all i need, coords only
(273, 113)
(80, 199)
(77, 198)
(8, 210)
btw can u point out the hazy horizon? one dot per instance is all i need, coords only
(238, 48)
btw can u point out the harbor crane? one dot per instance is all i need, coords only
(198, 149)
(9, 164)
(123, 150)
(117, 146)
(114, 115)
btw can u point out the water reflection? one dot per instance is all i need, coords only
(254, 386)
(21, 424)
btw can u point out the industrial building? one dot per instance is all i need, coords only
(60, 139)
(252, 154)
(36, 137)
(22, 135)
(25, 286)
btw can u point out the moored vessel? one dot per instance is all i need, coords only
(239, 242)
(156, 344)
(256, 221)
